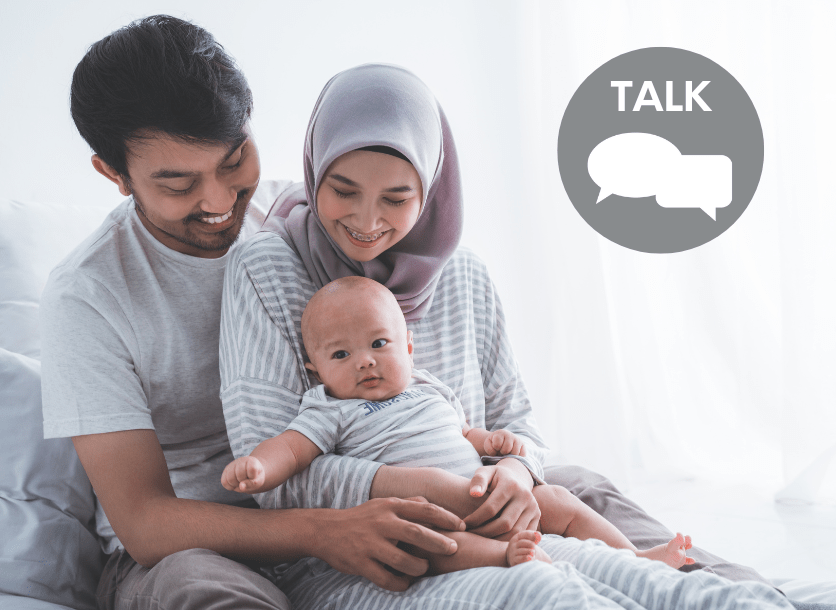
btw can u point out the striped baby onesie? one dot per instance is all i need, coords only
(420, 427)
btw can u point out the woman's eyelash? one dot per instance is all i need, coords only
(396, 203)
(342, 194)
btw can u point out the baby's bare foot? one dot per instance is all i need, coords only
(672, 553)
(523, 547)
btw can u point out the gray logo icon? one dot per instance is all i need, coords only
(660, 150)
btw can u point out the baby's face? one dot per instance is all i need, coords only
(360, 346)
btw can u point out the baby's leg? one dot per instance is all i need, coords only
(564, 514)
(474, 551)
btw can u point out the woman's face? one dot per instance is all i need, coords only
(368, 202)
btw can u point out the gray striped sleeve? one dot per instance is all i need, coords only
(318, 420)
(263, 376)
(507, 405)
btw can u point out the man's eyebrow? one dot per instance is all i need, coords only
(236, 143)
(173, 173)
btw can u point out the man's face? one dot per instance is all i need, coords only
(191, 196)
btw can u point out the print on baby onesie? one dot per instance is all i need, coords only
(660, 150)
(373, 407)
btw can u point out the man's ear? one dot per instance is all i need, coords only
(312, 369)
(409, 346)
(111, 174)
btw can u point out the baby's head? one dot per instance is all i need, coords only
(357, 340)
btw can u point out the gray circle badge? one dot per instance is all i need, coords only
(660, 150)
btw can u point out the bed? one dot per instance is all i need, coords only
(49, 553)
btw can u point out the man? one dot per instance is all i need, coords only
(130, 350)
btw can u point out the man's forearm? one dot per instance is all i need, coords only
(167, 525)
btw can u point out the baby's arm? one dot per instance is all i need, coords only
(498, 442)
(270, 464)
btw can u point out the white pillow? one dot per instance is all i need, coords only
(48, 545)
(50, 556)
(34, 237)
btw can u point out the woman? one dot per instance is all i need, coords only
(382, 199)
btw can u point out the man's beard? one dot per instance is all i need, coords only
(221, 240)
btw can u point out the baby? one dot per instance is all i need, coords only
(373, 405)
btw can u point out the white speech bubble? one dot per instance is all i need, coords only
(629, 164)
(642, 164)
(696, 181)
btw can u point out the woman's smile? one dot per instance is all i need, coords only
(364, 240)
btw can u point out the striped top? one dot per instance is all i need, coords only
(421, 426)
(462, 340)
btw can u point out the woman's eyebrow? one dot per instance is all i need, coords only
(343, 179)
(350, 182)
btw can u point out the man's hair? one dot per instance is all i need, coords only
(158, 74)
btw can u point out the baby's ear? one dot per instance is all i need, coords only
(409, 346)
(312, 369)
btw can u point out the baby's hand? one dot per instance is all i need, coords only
(502, 442)
(245, 475)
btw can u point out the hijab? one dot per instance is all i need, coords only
(388, 106)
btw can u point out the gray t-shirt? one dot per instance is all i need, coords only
(130, 332)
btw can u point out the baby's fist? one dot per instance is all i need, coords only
(503, 442)
(244, 475)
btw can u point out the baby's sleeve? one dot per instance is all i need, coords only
(425, 377)
(318, 420)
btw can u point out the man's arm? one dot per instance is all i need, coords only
(129, 474)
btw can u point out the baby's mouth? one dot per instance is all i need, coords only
(370, 381)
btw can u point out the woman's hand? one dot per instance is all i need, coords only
(510, 508)
(363, 540)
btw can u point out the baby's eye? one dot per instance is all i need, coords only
(379, 343)
(339, 354)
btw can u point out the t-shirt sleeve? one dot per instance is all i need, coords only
(319, 421)
(424, 376)
(262, 375)
(507, 405)
(89, 360)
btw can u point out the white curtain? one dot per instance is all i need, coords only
(716, 362)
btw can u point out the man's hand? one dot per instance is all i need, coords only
(363, 540)
(503, 442)
(244, 475)
(510, 508)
